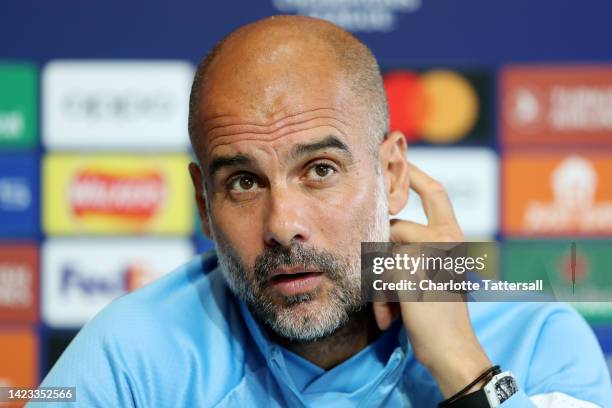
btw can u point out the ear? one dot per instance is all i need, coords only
(197, 180)
(394, 166)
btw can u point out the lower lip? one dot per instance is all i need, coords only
(289, 285)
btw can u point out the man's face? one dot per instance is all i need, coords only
(292, 190)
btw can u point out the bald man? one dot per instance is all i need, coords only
(295, 168)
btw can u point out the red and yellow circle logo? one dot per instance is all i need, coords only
(438, 106)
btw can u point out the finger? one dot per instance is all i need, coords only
(405, 232)
(436, 203)
(385, 314)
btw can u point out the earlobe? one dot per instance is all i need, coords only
(198, 185)
(394, 163)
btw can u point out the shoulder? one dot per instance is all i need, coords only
(183, 330)
(196, 287)
(547, 345)
(527, 321)
(183, 314)
(515, 330)
(192, 297)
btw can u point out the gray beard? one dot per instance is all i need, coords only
(344, 297)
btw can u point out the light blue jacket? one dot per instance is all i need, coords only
(185, 341)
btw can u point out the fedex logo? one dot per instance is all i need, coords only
(82, 276)
(88, 284)
(132, 277)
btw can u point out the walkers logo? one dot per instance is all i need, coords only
(118, 105)
(470, 176)
(556, 104)
(18, 94)
(19, 194)
(554, 194)
(18, 283)
(439, 106)
(82, 276)
(116, 194)
(19, 357)
(576, 271)
(133, 196)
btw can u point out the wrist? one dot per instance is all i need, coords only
(498, 388)
(453, 373)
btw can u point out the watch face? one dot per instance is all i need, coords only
(505, 387)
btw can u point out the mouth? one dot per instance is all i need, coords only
(289, 282)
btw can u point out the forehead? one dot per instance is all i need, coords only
(263, 94)
(282, 130)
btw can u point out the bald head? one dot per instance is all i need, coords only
(261, 63)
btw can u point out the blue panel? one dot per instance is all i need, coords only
(481, 31)
(19, 195)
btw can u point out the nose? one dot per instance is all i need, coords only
(285, 219)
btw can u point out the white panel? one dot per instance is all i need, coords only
(116, 105)
(81, 276)
(471, 178)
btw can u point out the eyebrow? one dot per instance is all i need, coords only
(220, 162)
(329, 142)
(302, 149)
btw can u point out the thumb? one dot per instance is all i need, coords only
(385, 313)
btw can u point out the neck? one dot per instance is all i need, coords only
(347, 341)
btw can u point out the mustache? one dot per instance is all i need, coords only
(297, 255)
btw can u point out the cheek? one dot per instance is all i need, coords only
(345, 217)
(240, 228)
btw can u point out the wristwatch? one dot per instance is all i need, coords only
(501, 387)
(497, 390)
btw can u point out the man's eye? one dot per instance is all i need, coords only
(321, 171)
(243, 183)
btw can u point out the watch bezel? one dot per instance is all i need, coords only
(490, 388)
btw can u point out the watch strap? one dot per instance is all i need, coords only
(476, 399)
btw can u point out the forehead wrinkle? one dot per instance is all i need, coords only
(287, 121)
(262, 130)
(274, 122)
(250, 136)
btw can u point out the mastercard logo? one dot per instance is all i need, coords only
(437, 106)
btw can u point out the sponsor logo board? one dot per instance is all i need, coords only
(19, 204)
(108, 194)
(470, 176)
(118, 105)
(18, 283)
(353, 15)
(18, 101)
(80, 277)
(579, 273)
(557, 194)
(556, 104)
(439, 106)
(19, 357)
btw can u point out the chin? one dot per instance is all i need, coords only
(306, 323)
